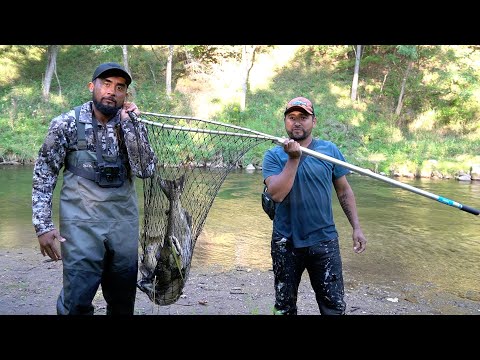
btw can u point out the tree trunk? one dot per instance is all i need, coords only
(243, 95)
(358, 55)
(248, 59)
(402, 90)
(131, 88)
(384, 81)
(52, 52)
(169, 71)
(125, 57)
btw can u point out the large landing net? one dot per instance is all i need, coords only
(194, 158)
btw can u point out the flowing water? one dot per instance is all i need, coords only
(411, 239)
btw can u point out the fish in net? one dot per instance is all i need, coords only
(194, 158)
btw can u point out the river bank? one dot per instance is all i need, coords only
(31, 283)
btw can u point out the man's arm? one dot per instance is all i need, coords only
(347, 201)
(45, 174)
(280, 185)
(47, 166)
(141, 156)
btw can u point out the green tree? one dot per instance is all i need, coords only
(358, 56)
(51, 68)
(409, 52)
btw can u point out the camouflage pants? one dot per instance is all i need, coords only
(324, 267)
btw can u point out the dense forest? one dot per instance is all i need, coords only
(410, 110)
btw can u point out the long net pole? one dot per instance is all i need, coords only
(316, 154)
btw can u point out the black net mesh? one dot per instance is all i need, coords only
(194, 158)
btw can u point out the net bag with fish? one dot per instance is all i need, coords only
(194, 158)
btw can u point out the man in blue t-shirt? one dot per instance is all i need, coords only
(304, 235)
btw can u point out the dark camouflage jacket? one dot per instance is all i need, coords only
(62, 138)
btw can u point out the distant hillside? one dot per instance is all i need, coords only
(436, 132)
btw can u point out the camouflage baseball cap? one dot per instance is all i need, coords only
(111, 69)
(299, 103)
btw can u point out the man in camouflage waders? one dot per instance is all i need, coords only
(102, 150)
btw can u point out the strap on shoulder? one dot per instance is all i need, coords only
(82, 142)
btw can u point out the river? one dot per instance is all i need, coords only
(411, 239)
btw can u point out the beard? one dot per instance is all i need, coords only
(298, 136)
(106, 110)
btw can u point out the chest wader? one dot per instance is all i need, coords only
(101, 228)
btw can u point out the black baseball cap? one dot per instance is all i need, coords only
(111, 69)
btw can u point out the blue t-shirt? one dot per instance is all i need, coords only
(306, 215)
